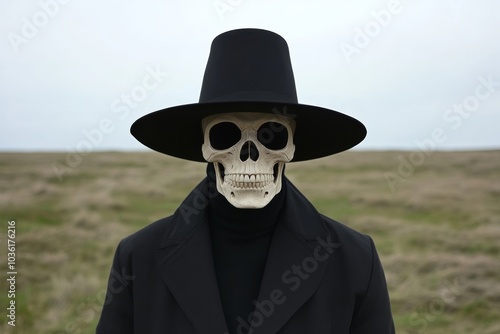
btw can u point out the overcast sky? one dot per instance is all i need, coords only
(412, 71)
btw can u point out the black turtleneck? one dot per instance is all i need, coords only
(240, 243)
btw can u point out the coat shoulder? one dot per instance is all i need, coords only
(347, 234)
(354, 246)
(148, 237)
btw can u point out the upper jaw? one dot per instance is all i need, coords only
(248, 180)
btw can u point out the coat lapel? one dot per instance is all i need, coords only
(185, 264)
(292, 274)
(295, 264)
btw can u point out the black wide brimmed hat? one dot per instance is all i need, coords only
(248, 70)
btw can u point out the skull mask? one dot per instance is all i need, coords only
(249, 152)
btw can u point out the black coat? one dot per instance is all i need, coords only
(320, 277)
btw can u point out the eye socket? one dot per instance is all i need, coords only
(224, 135)
(273, 135)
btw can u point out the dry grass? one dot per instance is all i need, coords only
(438, 233)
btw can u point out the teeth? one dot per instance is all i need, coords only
(248, 181)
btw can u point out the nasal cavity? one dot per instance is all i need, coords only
(249, 150)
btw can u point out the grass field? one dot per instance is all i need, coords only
(436, 225)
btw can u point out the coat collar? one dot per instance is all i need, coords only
(185, 263)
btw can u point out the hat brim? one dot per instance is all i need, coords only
(177, 131)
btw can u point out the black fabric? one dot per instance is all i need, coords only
(244, 73)
(240, 244)
(320, 277)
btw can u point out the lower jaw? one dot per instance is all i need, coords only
(248, 198)
(249, 195)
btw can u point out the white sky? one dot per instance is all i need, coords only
(69, 73)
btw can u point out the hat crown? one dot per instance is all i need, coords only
(249, 65)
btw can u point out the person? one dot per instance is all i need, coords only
(246, 252)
